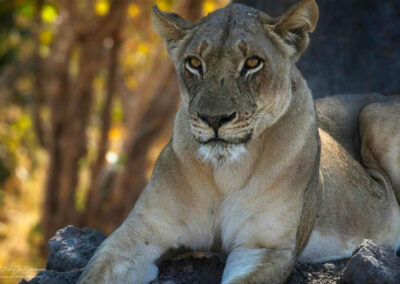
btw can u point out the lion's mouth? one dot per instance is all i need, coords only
(232, 141)
(214, 141)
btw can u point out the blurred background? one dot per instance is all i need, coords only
(88, 97)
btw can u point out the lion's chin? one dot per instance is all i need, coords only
(220, 153)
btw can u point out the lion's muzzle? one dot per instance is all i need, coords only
(224, 129)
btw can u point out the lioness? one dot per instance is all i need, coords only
(248, 171)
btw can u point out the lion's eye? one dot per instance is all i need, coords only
(194, 65)
(251, 65)
(252, 62)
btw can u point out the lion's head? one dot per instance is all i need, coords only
(233, 68)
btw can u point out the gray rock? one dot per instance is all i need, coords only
(329, 266)
(188, 269)
(372, 264)
(69, 251)
(71, 248)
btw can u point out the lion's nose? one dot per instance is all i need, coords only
(216, 121)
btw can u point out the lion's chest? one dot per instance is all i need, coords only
(248, 210)
(250, 218)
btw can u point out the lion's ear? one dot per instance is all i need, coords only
(171, 27)
(295, 25)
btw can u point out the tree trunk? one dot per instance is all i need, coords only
(71, 105)
(94, 196)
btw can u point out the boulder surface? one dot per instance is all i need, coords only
(71, 248)
(372, 264)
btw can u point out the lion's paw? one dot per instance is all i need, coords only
(111, 268)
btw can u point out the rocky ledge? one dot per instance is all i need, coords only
(71, 248)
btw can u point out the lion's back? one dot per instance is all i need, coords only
(338, 116)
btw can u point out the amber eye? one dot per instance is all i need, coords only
(251, 65)
(252, 62)
(195, 63)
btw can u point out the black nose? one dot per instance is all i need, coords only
(216, 121)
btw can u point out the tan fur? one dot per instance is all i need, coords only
(380, 147)
(272, 188)
(295, 25)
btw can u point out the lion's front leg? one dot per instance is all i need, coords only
(167, 215)
(128, 255)
(114, 264)
(258, 265)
